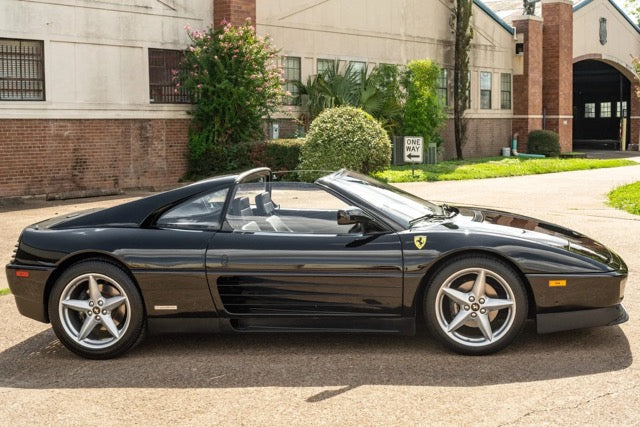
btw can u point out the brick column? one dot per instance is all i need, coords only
(234, 11)
(557, 84)
(527, 87)
(634, 114)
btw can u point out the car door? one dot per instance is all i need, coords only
(295, 259)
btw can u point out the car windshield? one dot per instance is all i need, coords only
(402, 207)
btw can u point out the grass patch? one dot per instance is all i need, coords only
(626, 197)
(494, 167)
(4, 291)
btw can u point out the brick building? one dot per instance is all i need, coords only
(87, 105)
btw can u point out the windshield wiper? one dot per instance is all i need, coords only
(447, 212)
(423, 217)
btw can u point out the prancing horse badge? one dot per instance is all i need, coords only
(420, 241)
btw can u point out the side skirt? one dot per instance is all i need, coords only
(400, 325)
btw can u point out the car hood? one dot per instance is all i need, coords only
(483, 220)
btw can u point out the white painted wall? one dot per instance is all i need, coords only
(384, 31)
(623, 40)
(96, 53)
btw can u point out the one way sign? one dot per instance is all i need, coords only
(413, 149)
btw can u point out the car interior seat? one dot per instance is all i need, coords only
(264, 205)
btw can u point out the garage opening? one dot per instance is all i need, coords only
(601, 99)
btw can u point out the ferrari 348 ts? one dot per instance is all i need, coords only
(247, 253)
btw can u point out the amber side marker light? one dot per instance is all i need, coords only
(557, 283)
(22, 273)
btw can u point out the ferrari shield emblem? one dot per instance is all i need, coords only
(420, 241)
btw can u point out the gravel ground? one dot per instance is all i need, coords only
(567, 378)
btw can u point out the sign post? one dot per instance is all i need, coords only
(413, 151)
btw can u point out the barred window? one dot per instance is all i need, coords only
(163, 63)
(21, 70)
(590, 110)
(292, 76)
(485, 90)
(443, 86)
(605, 110)
(505, 91)
(324, 64)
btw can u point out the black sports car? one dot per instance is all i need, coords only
(246, 253)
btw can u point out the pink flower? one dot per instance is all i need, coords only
(174, 72)
(224, 21)
(177, 84)
(200, 86)
(187, 27)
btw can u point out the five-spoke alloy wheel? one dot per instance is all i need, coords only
(96, 310)
(475, 305)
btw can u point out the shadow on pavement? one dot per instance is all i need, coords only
(312, 360)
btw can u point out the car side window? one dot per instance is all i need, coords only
(287, 207)
(200, 213)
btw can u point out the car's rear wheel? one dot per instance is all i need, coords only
(96, 310)
(475, 304)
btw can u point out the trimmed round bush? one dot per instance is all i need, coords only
(543, 142)
(344, 137)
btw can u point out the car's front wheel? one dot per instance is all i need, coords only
(96, 310)
(475, 304)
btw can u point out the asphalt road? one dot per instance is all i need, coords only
(569, 378)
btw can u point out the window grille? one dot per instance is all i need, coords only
(21, 70)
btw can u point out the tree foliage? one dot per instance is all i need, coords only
(424, 111)
(463, 37)
(234, 78)
(633, 8)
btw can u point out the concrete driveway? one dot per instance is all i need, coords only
(568, 378)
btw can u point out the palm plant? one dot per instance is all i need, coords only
(377, 92)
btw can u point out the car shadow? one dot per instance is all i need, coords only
(312, 360)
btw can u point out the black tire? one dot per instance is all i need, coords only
(101, 325)
(466, 317)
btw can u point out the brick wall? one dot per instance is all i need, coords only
(634, 114)
(527, 87)
(557, 85)
(485, 137)
(234, 11)
(88, 157)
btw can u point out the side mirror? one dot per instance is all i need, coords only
(353, 215)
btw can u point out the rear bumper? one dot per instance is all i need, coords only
(27, 284)
(555, 322)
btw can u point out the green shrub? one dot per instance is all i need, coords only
(424, 111)
(212, 159)
(543, 142)
(232, 75)
(344, 137)
(277, 154)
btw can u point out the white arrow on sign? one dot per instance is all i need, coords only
(413, 149)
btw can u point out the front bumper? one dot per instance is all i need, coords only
(27, 284)
(569, 292)
(554, 322)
